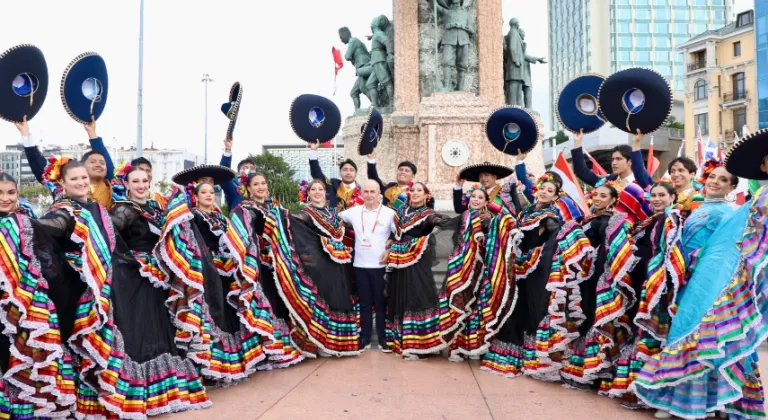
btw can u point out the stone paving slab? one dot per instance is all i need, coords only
(378, 386)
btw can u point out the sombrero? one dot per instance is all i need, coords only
(232, 108)
(746, 156)
(370, 132)
(635, 98)
(24, 70)
(220, 174)
(512, 128)
(577, 106)
(84, 87)
(472, 172)
(314, 118)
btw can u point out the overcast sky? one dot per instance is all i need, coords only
(276, 49)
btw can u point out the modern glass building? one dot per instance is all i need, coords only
(761, 44)
(604, 36)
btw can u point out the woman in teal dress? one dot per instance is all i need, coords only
(709, 362)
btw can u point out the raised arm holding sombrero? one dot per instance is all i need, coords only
(394, 192)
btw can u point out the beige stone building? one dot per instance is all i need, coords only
(720, 82)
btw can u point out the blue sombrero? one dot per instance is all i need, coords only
(512, 128)
(84, 87)
(746, 155)
(577, 106)
(370, 132)
(636, 98)
(314, 118)
(232, 108)
(24, 81)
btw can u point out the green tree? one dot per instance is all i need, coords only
(33, 191)
(164, 187)
(673, 123)
(279, 176)
(560, 137)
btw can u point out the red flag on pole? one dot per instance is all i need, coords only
(653, 163)
(337, 59)
(596, 168)
(338, 64)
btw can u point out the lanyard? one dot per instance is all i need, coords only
(362, 220)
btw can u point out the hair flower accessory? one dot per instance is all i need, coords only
(707, 169)
(191, 191)
(52, 174)
(120, 182)
(540, 182)
(304, 191)
(468, 194)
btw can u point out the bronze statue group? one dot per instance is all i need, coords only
(120, 302)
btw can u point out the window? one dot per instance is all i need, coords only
(681, 28)
(660, 28)
(739, 119)
(624, 28)
(625, 41)
(661, 13)
(642, 28)
(744, 19)
(681, 15)
(643, 14)
(737, 49)
(625, 14)
(702, 123)
(739, 86)
(699, 28)
(640, 2)
(663, 42)
(643, 41)
(643, 56)
(661, 56)
(700, 90)
(700, 2)
(700, 14)
(625, 55)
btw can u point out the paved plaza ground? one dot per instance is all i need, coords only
(378, 386)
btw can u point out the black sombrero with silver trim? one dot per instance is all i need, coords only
(232, 108)
(746, 156)
(370, 132)
(314, 118)
(577, 107)
(636, 98)
(85, 87)
(472, 172)
(220, 174)
(512, 128)
(23, 82)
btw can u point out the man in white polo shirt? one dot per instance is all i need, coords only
(373, 224)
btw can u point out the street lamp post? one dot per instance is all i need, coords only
(139, 102)
(206, 79)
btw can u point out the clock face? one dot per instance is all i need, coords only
(455, 153)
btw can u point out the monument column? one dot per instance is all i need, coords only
(406, 18)
(491, 48)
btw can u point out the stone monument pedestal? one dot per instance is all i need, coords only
(420, 137)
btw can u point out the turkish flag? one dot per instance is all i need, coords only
(337, 59)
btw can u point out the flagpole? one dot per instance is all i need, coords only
(335, 158)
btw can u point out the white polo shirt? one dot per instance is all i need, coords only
(372, 229)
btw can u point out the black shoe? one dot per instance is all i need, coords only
(384, 348)
(364, 346)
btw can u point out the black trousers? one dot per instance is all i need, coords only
(370, 289)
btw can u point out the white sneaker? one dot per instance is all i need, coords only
(323, 353)
(661, 414)
(456, 358)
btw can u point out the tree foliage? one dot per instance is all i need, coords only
(33, 191)
(673, 123)
(279, 177)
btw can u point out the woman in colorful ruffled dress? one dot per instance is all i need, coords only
(709, 362)
(211, 308)
(162, 378)
(256, 266)
(36, 369)
(416, 315)
(606, 294)
(477, 285)
(83, 239)
(549, 263)
(656, 280)
(312, 270)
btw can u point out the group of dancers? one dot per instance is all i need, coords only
(125, 306)
(121, 302)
